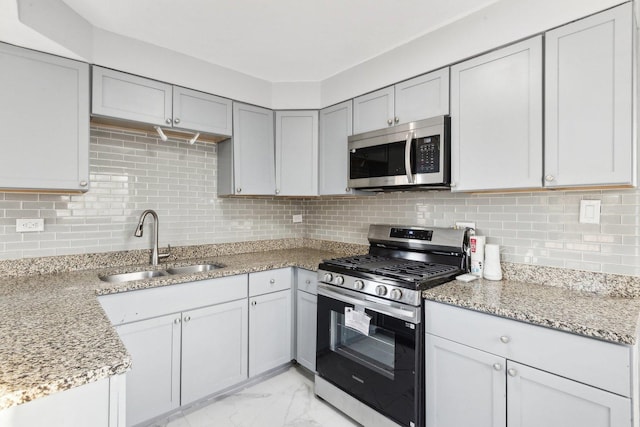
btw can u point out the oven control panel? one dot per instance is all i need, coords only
(371, 287)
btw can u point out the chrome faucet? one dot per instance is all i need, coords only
(155, 256)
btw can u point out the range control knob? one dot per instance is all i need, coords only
(328, 277)
(395, 294)
(381, 290)
(358, 285)
(339, 280)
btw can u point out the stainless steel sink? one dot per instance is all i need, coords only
(197, 268)
(128, 277)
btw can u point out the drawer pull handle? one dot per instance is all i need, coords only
(505, 339)
(497, 367)
(512, 372)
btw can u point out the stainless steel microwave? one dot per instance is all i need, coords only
(409, 156)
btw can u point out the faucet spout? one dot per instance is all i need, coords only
(155, 255)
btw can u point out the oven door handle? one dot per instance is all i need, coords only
(412, 316)
(407, 157)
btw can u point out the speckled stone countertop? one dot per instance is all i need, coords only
(596, 315)
(56, 335)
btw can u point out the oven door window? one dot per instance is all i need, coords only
(376, 350)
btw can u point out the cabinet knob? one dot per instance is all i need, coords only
(549, 178)
(308, 282)
(168, 121)
(177, 320)
(277, 191)
(272, 281)
(497, 367)
(187, 318)
(83, 183)
(176, 121)
(254, 303)
(238, 190)
(396, 119)
(512, 372)
(389, 122)
(452, 185)
(346, 190)
(505, 339)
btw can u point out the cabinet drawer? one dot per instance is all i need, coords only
(142, 304)
(598, 363)
(265, 282)
(307, 281)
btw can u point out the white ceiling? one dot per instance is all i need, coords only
(276, 40)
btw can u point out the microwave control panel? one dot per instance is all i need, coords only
(427, 154)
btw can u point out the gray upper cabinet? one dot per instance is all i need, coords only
(246, 163)
(415, 99)
(335, 128)
(201, 111)
(297, 153)
(137, 99)
(45, 121)
(496, 119)
(589, 101)
(128, 97)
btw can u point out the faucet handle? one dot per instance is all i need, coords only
(166, 254)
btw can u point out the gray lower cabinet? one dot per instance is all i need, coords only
(507, 373)
(306, 318)
(296, 153)
(133, 98)
(45, 121)
(496, 119)
(333, 161)
(246, 163)
(270, 320)
(186, 341)
(589, 95)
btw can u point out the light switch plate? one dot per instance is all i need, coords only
(26, 225)
(590, 211)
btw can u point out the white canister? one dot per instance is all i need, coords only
(477, 254)
(492, 269)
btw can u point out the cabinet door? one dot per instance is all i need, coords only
(460, 375)
(201, 111)
(422, 97)
(253, 150)
(269, 331)
(496, 119)
(128, 97)
(297, 153)
(589, 101)
(537, 398)
(153, 383)
(306, 306)
(335, 129)
(45, 121)
(214, 349)
(373, 110)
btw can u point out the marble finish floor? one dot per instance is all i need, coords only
(286, 399)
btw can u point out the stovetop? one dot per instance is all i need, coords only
(411, 273)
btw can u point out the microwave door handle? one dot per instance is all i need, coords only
(407, 157)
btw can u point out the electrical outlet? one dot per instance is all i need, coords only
(26, 225)
(297, 218)
(462, 224)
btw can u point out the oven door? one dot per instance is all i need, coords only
(382, 366)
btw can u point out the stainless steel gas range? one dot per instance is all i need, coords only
(370, 342)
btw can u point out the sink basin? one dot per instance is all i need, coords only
(128, 277)
(197, 268)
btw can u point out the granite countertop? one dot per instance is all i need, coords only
(57, 336)
(600, 316)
